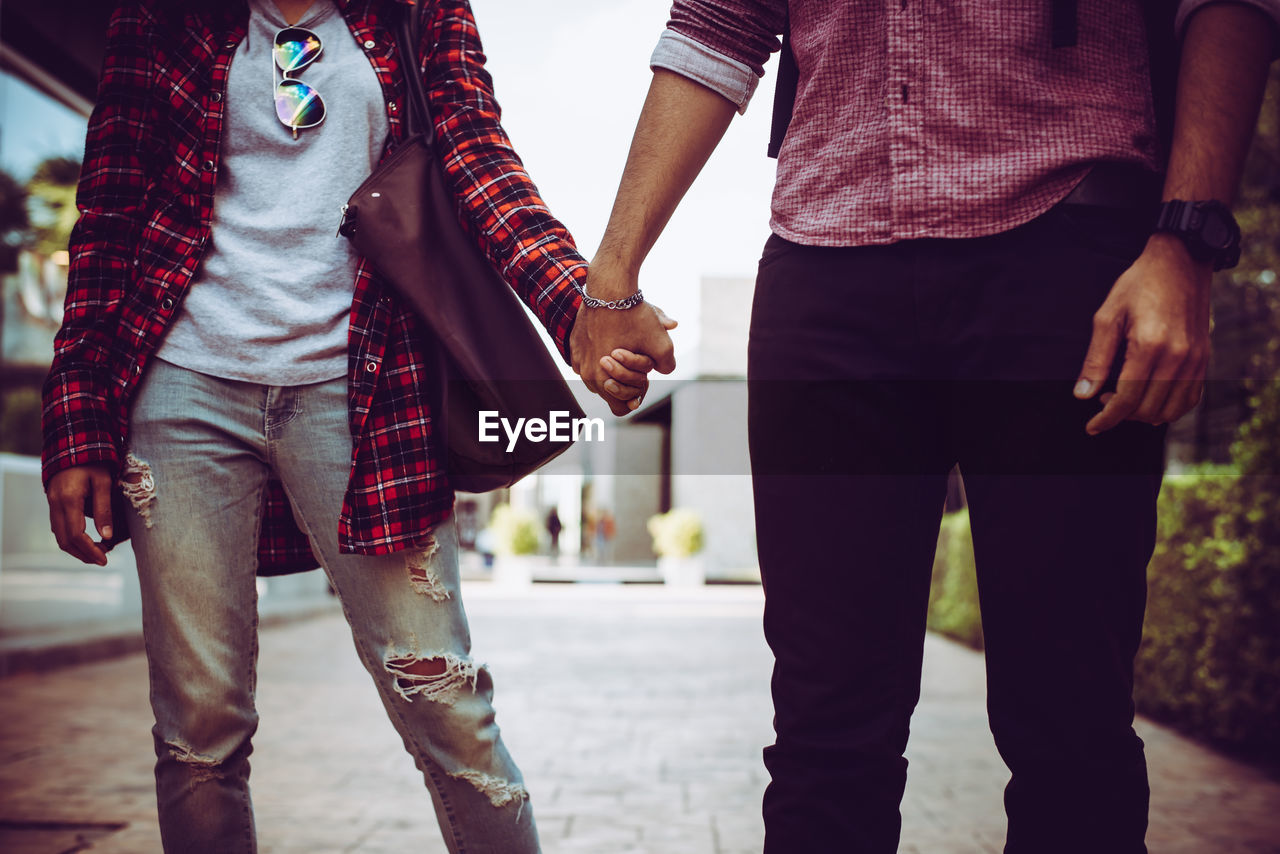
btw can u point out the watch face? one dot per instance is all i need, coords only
(1206, 227)
(1216, 232)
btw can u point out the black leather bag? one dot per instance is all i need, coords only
(404, 219)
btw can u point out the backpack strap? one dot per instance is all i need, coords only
(1065, 17)
(1164, 54)
(784, 92)
(1162, 50)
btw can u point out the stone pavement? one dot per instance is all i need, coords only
(637, 715)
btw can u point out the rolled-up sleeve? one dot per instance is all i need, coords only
(722, 44)
(1270, 8)
(717, 72)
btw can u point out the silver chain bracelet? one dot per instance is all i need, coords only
(616, 304)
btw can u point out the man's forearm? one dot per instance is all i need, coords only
(1159, 307)
(679, 127)
(1223, 72)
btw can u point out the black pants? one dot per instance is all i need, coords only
(872, 371)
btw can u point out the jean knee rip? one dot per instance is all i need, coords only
(423, 578)
(203, 768)
(138, 485)
(455, 674)
(499, 792)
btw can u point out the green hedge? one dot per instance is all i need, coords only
(1210, 657)
(515, 530)
(953, 597)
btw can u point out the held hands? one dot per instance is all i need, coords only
(614, 350)
(67, 492)
(1160, 308)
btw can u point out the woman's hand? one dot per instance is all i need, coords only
(613, 352)
(628, 376)
(67, 494)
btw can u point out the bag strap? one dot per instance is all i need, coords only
(418, 118)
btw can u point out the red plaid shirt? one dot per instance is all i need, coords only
(146, 200)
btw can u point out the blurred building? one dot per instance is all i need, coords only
(686, 447)
(704, 463)
(56, 46)
(49, 58)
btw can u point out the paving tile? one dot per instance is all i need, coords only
(637, 717)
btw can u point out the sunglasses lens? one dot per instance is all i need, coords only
(298, 105)
(295, 48)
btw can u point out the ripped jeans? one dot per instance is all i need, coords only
(201, 451)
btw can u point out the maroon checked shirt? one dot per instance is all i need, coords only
(931, 118)
(146, 199)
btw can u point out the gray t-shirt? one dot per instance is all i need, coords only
(272, 300)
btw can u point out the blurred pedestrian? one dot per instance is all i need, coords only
(554, 527)
(606, 528)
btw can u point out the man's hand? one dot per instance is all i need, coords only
(599, 332)
(1160, 308)
(67, 492)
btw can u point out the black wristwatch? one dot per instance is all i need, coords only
(1207, 228)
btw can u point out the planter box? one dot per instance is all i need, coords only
(682, 571)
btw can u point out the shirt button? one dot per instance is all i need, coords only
(167, 303)
(371, 366)
(370, 44)
(216, 96)
(230, 45)
(207, 166)
(391, 105)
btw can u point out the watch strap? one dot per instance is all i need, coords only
(1207, 228)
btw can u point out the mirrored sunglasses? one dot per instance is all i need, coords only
(298, 105)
